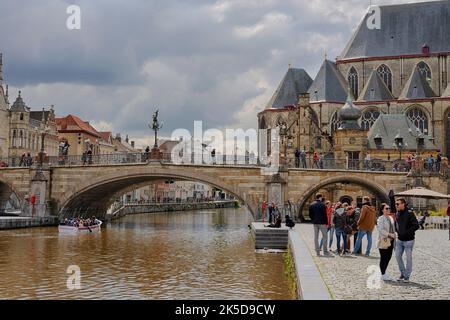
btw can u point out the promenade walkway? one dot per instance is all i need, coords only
(346, 277)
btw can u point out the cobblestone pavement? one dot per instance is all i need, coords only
(347, 277)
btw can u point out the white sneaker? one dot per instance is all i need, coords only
(386, 277)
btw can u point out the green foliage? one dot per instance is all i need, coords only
(289, 270)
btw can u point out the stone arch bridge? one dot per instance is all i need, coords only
(90, 190)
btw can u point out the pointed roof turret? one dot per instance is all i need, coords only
(417, 87)
(19, 105)
(329, 85)
(375, 89)
(349, 114)
(295, 82)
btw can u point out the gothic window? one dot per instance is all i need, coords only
(14, 137)
(21, 116)
(419, 118)
(385, 73)
(353, 81)
(424, 69)
(335, 122)
(369, 117)
(21, 138)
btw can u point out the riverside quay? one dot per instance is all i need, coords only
(227, 150)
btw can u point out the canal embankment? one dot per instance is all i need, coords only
(26, 222)
(310, 284)
(137, 208)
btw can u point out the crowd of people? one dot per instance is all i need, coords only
(342, 221)
(79, 222)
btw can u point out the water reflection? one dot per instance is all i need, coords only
(184, 255)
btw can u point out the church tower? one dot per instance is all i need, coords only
(350, 139)
(4, 119)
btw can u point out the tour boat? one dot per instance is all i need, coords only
(62, 228)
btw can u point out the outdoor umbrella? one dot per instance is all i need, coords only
(422, 193)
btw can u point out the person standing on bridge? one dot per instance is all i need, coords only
(318, 215)
(303, 158)
(297, 158)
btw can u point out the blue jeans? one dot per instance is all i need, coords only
(331, 231)
(339, 233)
(358, 244)
(407, 247)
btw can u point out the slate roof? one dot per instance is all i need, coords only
(295, 82)
(417, 87)
(389, 125)
(19, 105)
(37, 115)
(405, 28)
(329, 85)
(375, 89)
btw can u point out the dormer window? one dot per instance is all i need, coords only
(21, 117)
(378, 140)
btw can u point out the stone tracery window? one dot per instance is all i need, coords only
(353, 82)
(424, 69)
(335, 122)
(385, 73)
(419, 118)
(369, 117)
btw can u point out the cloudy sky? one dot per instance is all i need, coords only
(215, 61)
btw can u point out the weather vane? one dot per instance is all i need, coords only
(155, 126)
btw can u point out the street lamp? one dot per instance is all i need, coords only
(399, 144)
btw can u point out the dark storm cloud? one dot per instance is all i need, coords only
(195, 60)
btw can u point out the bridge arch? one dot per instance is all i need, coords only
(94, 196)
(6, 191)
(380, 193)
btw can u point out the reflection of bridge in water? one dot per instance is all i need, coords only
(69, 188)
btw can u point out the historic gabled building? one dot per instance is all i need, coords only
(400, 69)
(22, 130)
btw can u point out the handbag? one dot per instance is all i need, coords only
(384, 243)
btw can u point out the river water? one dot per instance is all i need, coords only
(205, 254)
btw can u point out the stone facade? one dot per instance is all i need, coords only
(429, 111)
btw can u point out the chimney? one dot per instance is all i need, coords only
(126, 139)
(132, 144)
(118, 137)
(426, 49)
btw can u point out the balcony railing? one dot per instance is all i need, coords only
(219, 160)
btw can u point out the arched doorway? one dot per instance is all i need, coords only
(346, 199)
(368, 188)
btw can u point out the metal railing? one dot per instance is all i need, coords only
(219, 160)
